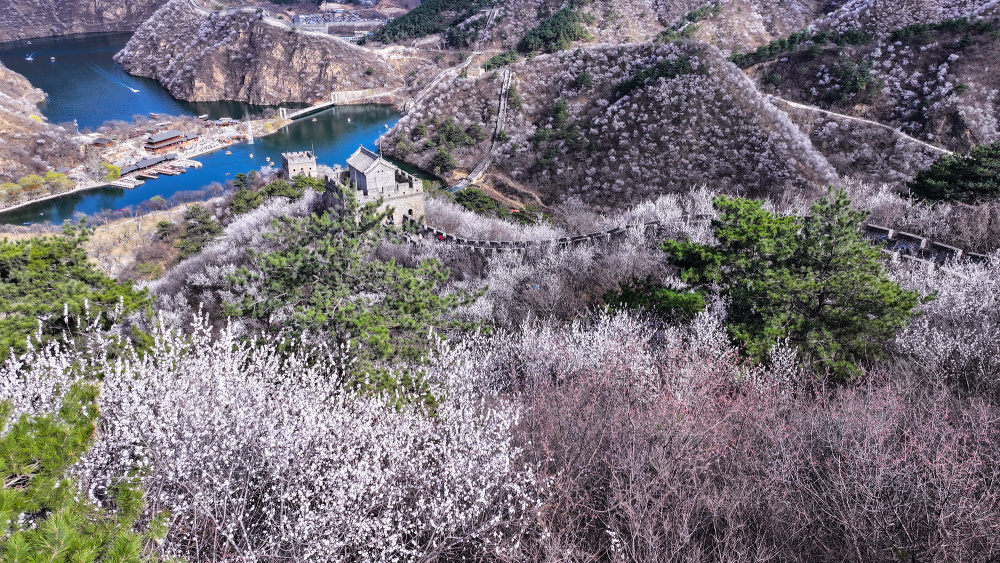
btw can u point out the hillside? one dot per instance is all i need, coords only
(884, 16)
(575, 133)
(930, 80)
(27, 144)
(24, 19)
(241, 56)
(738, 24)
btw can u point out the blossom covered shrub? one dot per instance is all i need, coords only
(250, 453)
(661, 444)
(955, 337)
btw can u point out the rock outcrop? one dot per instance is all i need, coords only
(27, 143)
(24, 19)
(246, 56)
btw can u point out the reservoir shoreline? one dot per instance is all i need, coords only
(85, 68)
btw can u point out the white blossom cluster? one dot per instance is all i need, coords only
(956, 335)
(973, 228)
(200, 281)
(457, 220)
(564, 284)
(884, 17)
(258, 455)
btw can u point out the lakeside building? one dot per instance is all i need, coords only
(168, 141)
(147, 163)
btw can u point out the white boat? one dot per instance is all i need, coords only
(134, 90)
(251, 155)
(53, 59)
(30, 57)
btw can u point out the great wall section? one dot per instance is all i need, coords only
(899, 245)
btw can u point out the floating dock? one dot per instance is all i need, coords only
(127, 183)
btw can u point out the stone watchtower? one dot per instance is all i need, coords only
(298, 163)
(374, 177)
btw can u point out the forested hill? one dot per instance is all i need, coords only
(572, 128)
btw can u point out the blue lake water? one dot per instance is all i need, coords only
(86, 85)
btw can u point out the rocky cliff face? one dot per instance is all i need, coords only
(241, 56)
(28, 144)
(24, 19)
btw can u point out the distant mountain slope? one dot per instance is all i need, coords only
(738, 24)
(935, 82)
(28, 144)
(884, 16)
(239, 56)
(24, 19)
(575, 135)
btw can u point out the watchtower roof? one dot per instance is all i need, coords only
(363, 159)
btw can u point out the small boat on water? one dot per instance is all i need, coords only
(251, 155)
(53, 59)
(30, 57)
(134, 90)
(203, 116)
(229, 153)
(314, 119)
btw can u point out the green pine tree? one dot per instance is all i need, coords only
(200, 228)
(970, 178)
(324, 280)
(815, 282)
(48, 284)
(43, 516)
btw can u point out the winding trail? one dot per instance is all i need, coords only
(480, 168)
(862, 120)
(426, 90)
